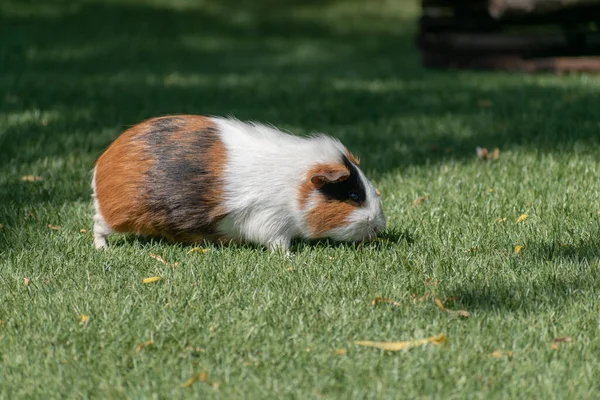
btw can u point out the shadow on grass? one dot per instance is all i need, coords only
(92, 69)
(532, 292)
(74, 74)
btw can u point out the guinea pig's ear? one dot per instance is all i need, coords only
(329, 174)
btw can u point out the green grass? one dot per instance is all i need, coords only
(74, 74)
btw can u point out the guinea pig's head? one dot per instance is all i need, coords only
(341, 203)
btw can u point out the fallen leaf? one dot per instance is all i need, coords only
(519, 248)
(291, 269)
(26, 281)
(307, 349)
(83, 319)
(198, 250)
(556, 341)
(248, 364)
(216, 385)
(199, 377)
(485, 155)
(31, 178)
(143, 344)
(500, 220)
(421, 200)
(386, 300)
(82, 230)
(54, 227)
(491, 190)
(422, 298)
(396, 346)
(151, 279)
(162, 260)
(341, 352)
(377, 192)
(471, 250)
(501, 353)
(522, 218)
(440, 305)
(431, 282)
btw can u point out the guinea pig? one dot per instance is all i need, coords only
(190, 178)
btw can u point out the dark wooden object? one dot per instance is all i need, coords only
(526, 35)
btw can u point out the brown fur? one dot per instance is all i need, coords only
(134, 189)
(328, 215)
(308, 185)
(353, 159)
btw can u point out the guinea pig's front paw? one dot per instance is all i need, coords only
(280, 245)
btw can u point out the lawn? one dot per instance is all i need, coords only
(78, 323)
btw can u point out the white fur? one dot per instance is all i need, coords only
(101, 228)
(265, 169)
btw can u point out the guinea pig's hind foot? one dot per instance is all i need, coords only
(101, 231)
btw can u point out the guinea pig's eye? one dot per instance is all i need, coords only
(353, 196)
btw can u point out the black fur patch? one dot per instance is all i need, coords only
(181, 188)
(340, 191)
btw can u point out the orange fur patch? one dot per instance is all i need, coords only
(327, 215)
(307, 186)
(353, 159)
(121, 172)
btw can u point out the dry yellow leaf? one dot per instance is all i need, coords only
(421, 200)
(471, 250)
(162, 260)
(140, 346)
(556, 341)
(199, 377)
(198, 250)
(83, 318)
(387, 300)
(522, 218)
(31, 178)
(377, 192)
(518, 248)
(491, 190)
(53, 227)
(341, 352)
(501, 353)
(431, 282)
(440, 305)
(500, 220)
(422, 298)
(151, 279)
(82, 230)
(26, 281)
(396, 346)
(485, 155)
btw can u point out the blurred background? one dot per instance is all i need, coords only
(73, 74)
